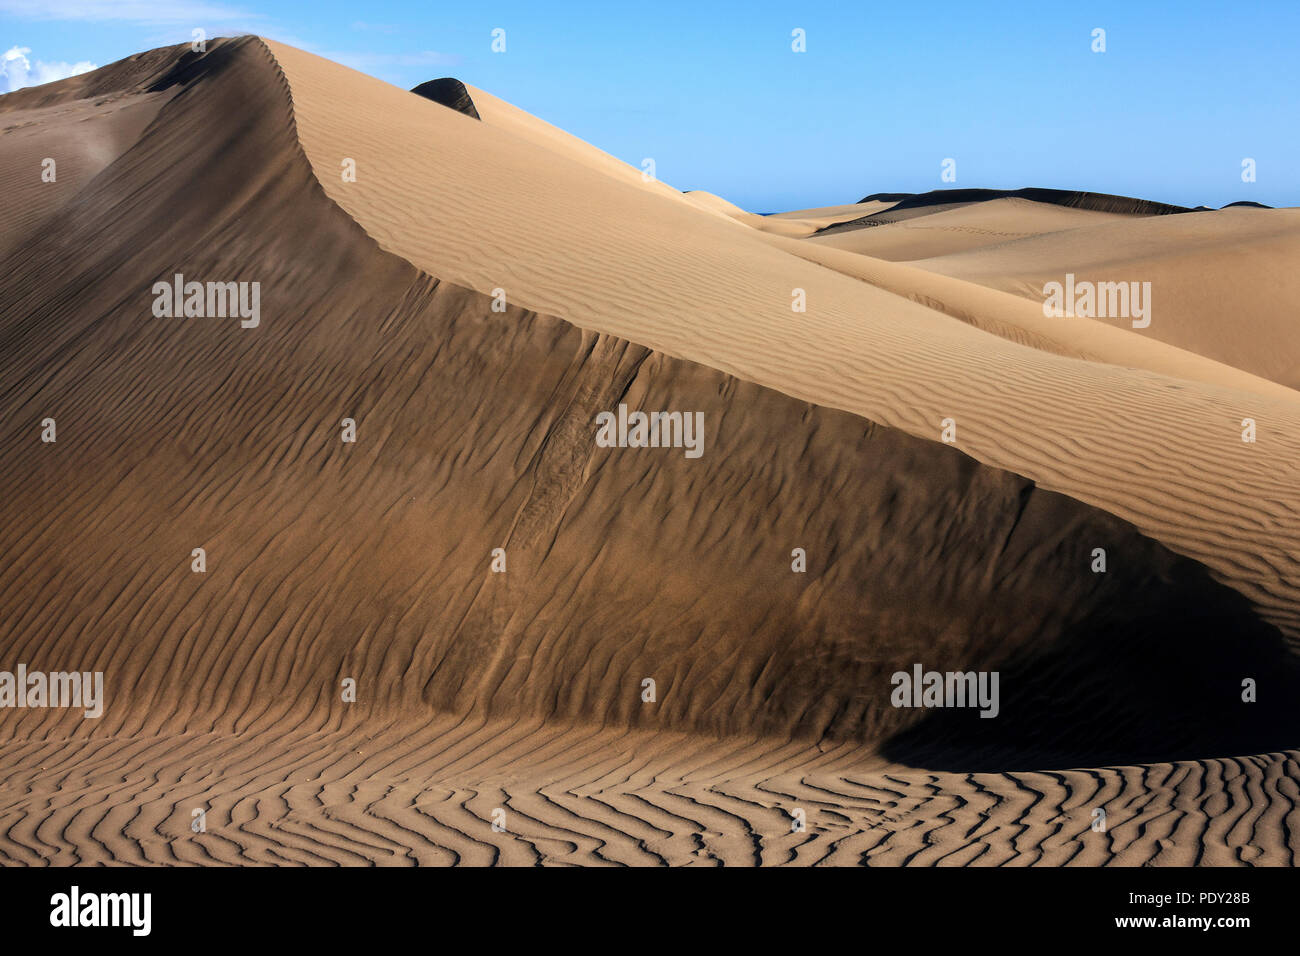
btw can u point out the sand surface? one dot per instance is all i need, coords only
(1222, 282)
(961, 228)
(371, 561)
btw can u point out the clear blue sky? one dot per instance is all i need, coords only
(885, 92)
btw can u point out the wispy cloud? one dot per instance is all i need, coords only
(17, 71)
(163, 12)
(164, 16)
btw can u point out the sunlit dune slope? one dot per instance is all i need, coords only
(1223, 284)
(499, 114)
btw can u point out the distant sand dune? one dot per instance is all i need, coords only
(1073, 199)
(960, 228)
(1222, 283)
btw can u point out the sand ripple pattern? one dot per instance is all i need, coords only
(408, 796)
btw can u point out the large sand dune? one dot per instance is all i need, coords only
(523, 690)
(563, 242)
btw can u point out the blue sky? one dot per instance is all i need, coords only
(883, 95)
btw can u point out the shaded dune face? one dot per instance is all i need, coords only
(86, 121)
(476, 430)
(450, 92)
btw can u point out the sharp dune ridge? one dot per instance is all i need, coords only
(523, 690)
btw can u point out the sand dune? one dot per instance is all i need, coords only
(824, 216)
(525, 690)
(449, 92)
(960, 228)
(799, 223)
(1021, 320)
(723, 297)
(558, 145)
(1221, 282)
(1074, 199)
(85, 134)
(720, 206)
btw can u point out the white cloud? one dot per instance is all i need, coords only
(17, 71)
(134, 11)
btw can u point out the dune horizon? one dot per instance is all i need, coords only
(401, 480)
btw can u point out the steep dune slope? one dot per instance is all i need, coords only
(473, 204)
(329, 560)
